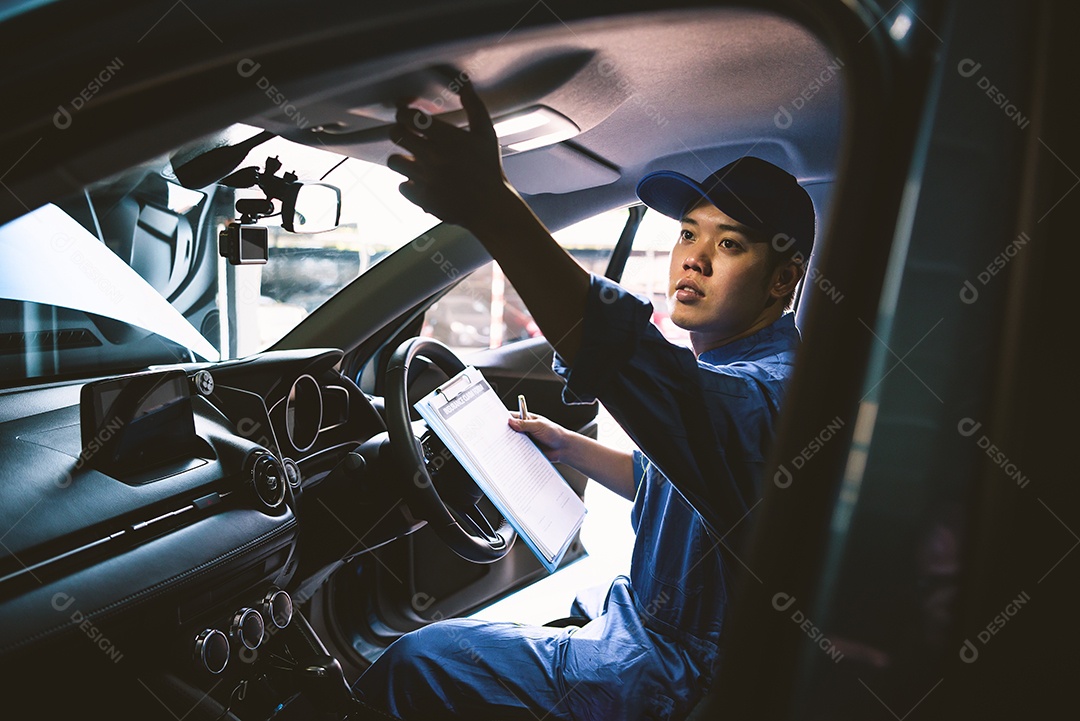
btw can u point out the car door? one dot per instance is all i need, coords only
(895, 579)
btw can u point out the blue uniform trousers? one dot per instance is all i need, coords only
(611, 668)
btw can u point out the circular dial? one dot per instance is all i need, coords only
(292, 472)
(303, 412)
(268, 479)
(277, 606)
(248, 628)
(212, 650)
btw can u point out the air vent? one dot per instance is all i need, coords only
(47, 340)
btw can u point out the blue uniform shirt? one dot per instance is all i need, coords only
(706, 424)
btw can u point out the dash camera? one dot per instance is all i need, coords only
(244, 244)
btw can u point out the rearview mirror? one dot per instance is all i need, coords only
(312, 208)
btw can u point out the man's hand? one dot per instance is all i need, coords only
(611, 468)
(551, 438)
(457, 175)
(453, 173)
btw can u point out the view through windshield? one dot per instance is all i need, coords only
(127, 273)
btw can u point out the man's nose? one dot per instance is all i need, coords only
(696, 261)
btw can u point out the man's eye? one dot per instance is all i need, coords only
(729, 244)
(685, 235)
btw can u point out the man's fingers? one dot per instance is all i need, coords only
(533, 424)
(417, 123)
(523, 426)
(441, 130)
(402, 164)
(412, 119)
(477, 112)
(413, 194)
(410, 141)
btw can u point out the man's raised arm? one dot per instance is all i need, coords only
(457, 175)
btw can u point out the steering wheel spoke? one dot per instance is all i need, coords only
(482, 526)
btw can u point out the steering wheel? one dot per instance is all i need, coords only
(467, 531)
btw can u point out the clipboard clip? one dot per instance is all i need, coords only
(444, 390)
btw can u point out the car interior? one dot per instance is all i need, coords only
(198, 521)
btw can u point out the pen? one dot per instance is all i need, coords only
(523, 409)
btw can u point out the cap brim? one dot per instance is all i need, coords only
(670, 193)
(674, 194)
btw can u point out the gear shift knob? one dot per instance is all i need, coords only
(322, 680)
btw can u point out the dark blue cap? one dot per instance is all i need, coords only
(750, 190)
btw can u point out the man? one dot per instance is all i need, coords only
(703, 419)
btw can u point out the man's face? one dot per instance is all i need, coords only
(719, 278)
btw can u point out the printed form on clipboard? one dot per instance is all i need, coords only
(507, 466)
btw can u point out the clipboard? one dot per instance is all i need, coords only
(507, 466)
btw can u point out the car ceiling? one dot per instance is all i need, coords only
(687, 90)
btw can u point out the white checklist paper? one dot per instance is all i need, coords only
(507, 466)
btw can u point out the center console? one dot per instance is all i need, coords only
(265, 661)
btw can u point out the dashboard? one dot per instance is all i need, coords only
(165, 510)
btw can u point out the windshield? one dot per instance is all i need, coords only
(127, 273)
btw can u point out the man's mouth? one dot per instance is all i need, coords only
(686, 291)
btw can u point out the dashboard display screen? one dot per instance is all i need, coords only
(136, 421)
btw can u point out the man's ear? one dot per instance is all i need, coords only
(786, 276)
